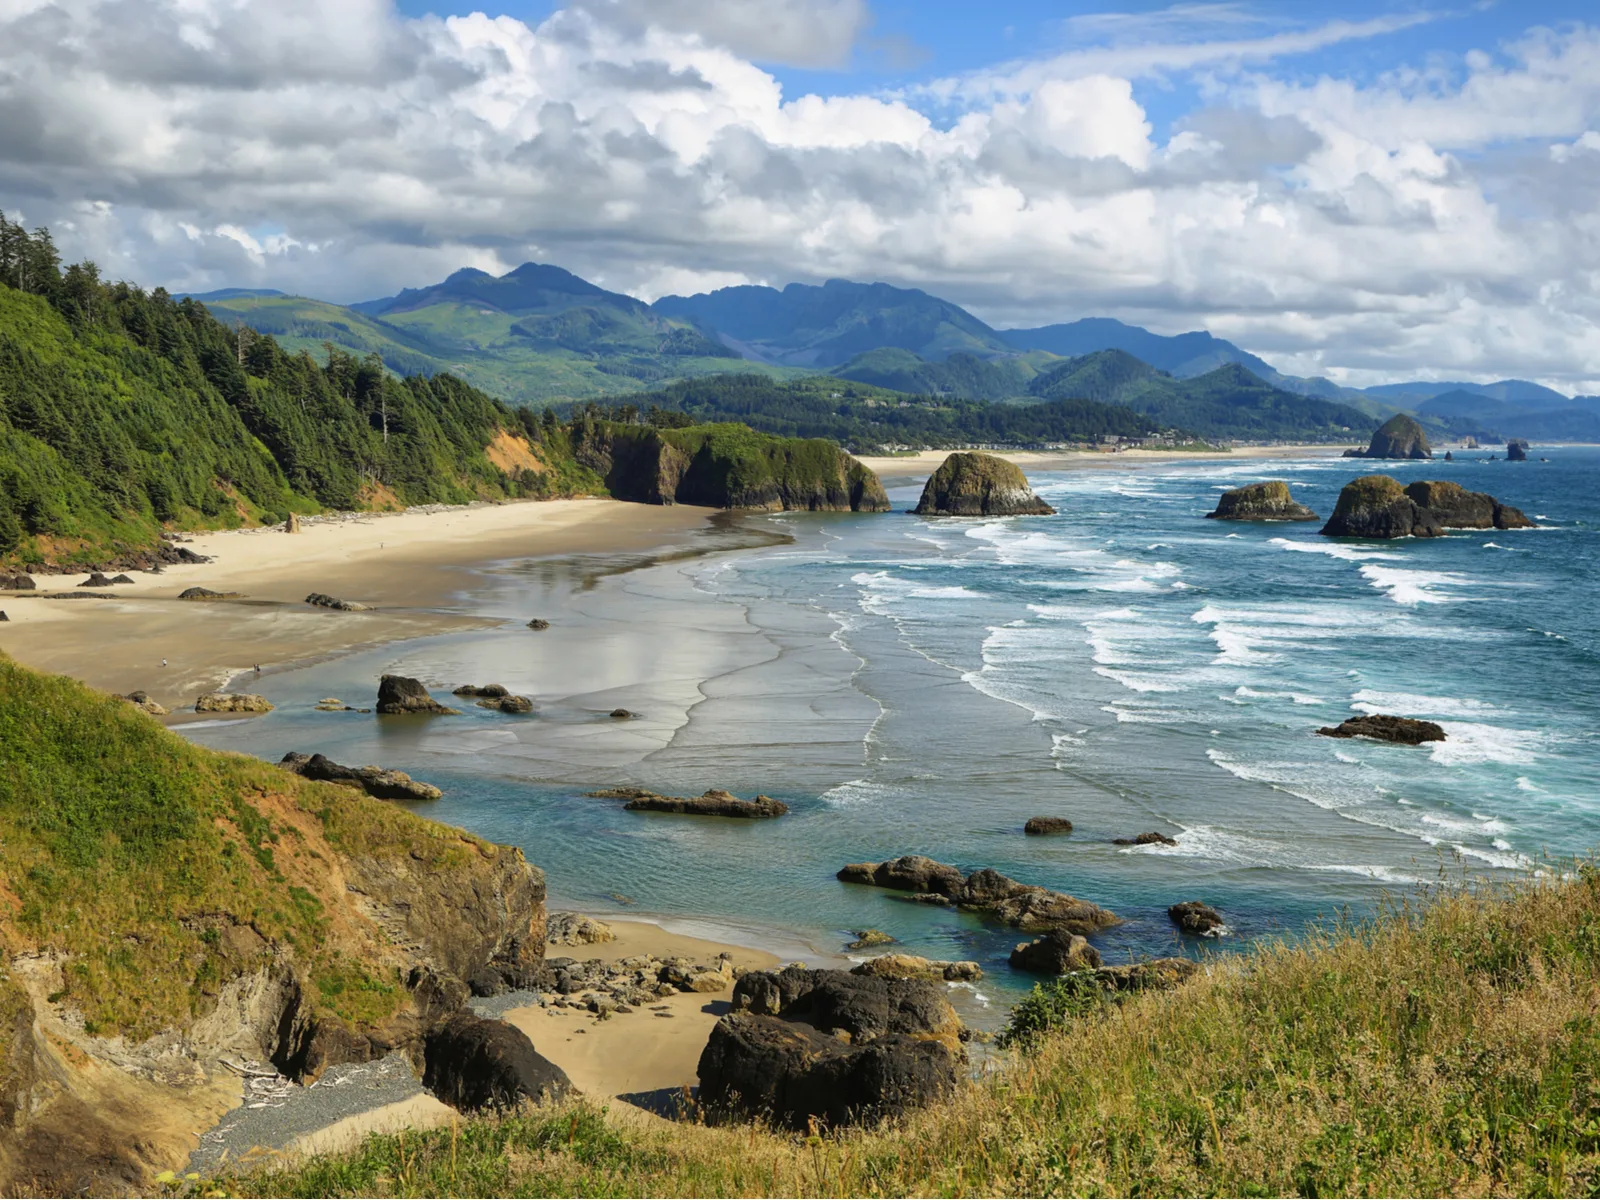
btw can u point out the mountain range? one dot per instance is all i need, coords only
(540, 334)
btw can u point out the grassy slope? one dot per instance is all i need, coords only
(1449, 1047)
(134, 852)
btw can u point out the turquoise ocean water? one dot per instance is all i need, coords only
(912, 685)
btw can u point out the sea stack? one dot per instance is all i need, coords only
(1516, 450)
(1398, 437)
(1376, 506)
(1269, 501)
(979, 485)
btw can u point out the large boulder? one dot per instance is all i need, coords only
(473, 1063)
(1402, 730)
(1197, 918)
(859, 1007)
(1056, 953)
(1268, 501)
(232, 702)
(1045, 826)
(1377, 506)
(375, 781)
(714, 803)
(400, 694)
(999, 897)
(1398, 437)
(575, 929)
(17, 583)
(912, 966)
(979, 485)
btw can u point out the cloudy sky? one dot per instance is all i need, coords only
(1368, 189)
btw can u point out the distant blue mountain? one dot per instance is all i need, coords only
(529, 289)
(1526, 396)
(222, 294)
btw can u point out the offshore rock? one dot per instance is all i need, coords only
(489, 691)
(997, 896)
(714, 803)
(538, 624)
(1045, 826)
(232, 702)
(375, 781)
(979, 485)
(1269, 501)
(472, 1063)
(1198, 919)
(1398, 437)
(1402, 730)
(912, 966)
(1146, 839)
(400, 694)
(1377, 506)
(508, 704)
(1056, 953)
(1516, 450)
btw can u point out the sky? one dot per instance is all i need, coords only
(1370, 190)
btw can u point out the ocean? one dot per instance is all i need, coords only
(912, 685)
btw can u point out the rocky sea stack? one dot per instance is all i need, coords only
(1398, 437)
(979, 485)
(1516, 450)
(1269, 501)
(1404, 731)
(1377, 506)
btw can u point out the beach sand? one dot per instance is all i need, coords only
(925, 462)
(409, 566)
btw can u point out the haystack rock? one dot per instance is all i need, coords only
(399, 694)
(1377, 506)
(979, 485)
(1269, 501)
(1516, 450)
(1398, 437)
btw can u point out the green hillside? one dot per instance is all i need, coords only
(124, 412)
(962, 376)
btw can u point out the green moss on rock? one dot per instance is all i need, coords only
(1269, 501)
(1398, 437)
(1377, 506)
(979, 485)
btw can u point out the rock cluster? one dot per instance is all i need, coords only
(99, 580)
(200, 593)
(621, 986)
(1377, 506)
(912, 966)
(17, 583)
(334, 704)
(489, 691)
(375, 781)
(1044, 826)
(816, 1047)
(575, 929)
(1398, 437)
(714, 803)
(1198, 919)
(508, 704)
(979, 485)
(401, 694)
(1269, 501)
(1516, 450)
(1402, 730)
(1019, 905)
(323, 600)
(232, 702)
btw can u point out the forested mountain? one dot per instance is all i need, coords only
(962, 376)
(806, 326)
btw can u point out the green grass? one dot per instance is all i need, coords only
(1450, 1046)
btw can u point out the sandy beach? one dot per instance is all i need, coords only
(901, 466)
(407, 566)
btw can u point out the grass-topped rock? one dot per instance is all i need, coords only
(1401, 436)
(1377, 506)
(1269, 501)
(979, 485)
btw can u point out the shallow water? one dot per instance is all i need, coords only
(912, 685)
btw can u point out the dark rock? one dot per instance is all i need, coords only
(1044, 826)
(539, 623)
(1376, 506)
(17, 583)
(200, 593)
(979, 485)
(513, 704)
(1056, 953)
(472, 1063)
(1020, 905)
(400, 694)
(860, 1007)
(1402, 730)
(1268, 501)
(323, 600)
(490, 691)
(375, 781)
(3, 616)
(715, 803)
(1398, 437)
(621, 714)
(1198, 919)
(96, 580)
(1146, 839)
(1516, 450)
(1449, 457)
(121, 579)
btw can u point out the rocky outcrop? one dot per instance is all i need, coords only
(622, 986)
(1377, 506)
(375, 781)
(323, 600)
(98, 580)
(398, 694)
(1146, 839)
(1197, 919)
(1056, 953)
(1402, 730)
(1268, 501)
(141, 700)
(979, 485)
(489, 691)
(17, 583)
(1398, 437)
(291, 523)
(996, 896)
(200, 593)
(538, 624)
(867, 938)
(472, 1064)
(714, 803)
(1516, 450)
(509, 704)
(1046, 826)
(804, 1047)
(232, 702)
(912, 966)
(575, 929)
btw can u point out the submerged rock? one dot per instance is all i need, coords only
(987, 891)
(1056, 953)
(621, 714)
(375, 781)
(538, 624)
(509, 704)
(1146, 839)
(200, 593)
(912, 966)
(232, 702)
(490, 691)
(867, 938)
(1399, 437)
(1268, 501)
(323, 600)
(400, 694)
(979, 485)
(1402, 730)
(1194, 917)
(1045, 826)
(714, 803)
(1377, 506)
(473, 1063)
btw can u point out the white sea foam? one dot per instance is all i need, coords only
(856, 793)
(1470, 742)
(1139, 683)
(1369, 700)
(1414, 587)
(1334, 550)
(1524, 784)
(1381, 874)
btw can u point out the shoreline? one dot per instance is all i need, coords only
(924, 462)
